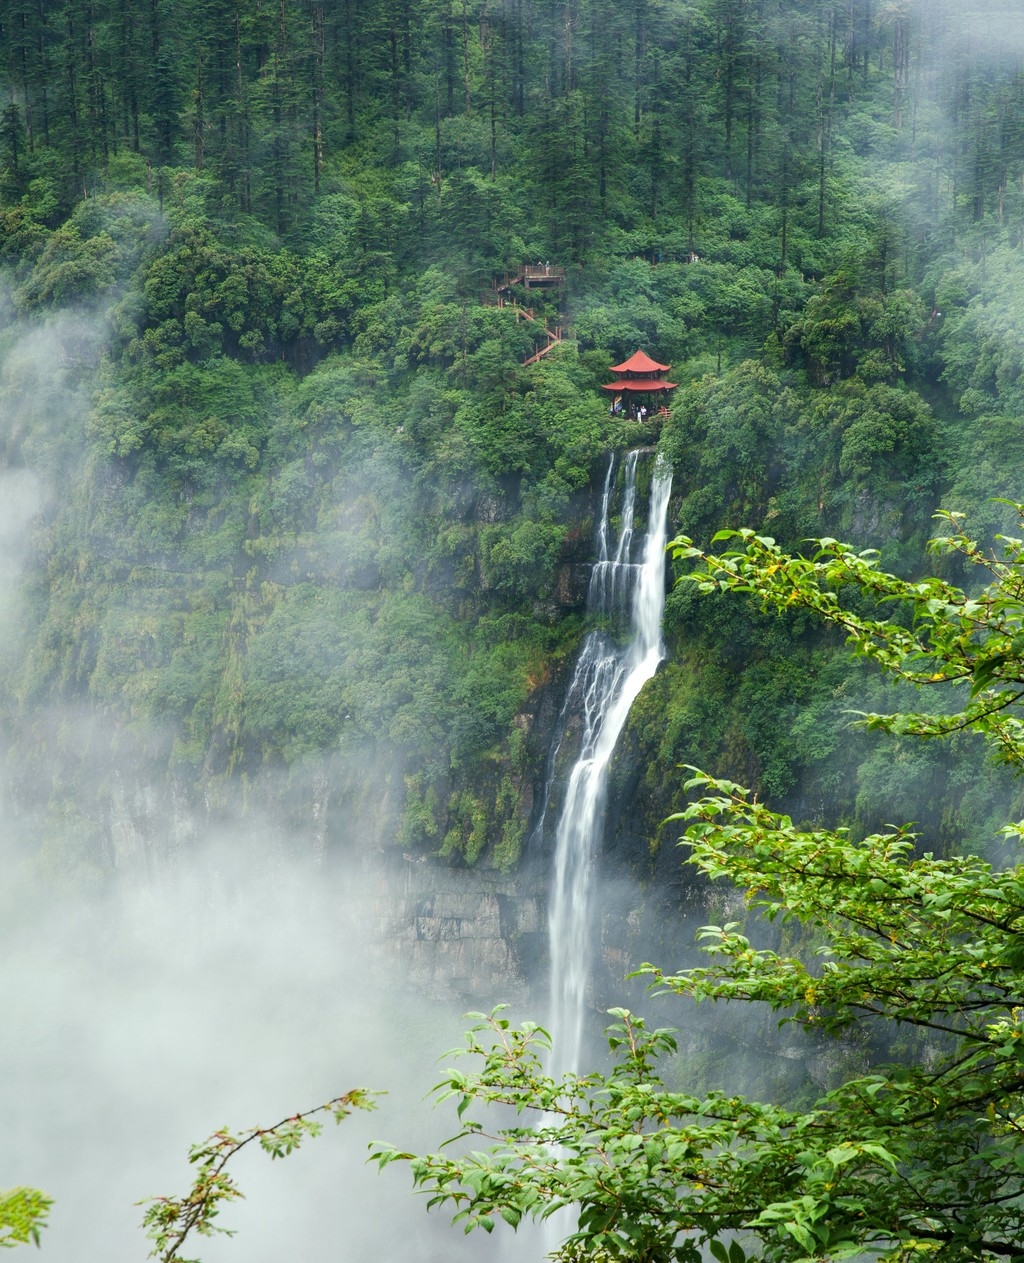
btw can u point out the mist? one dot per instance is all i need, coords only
(169, 971)
(231, 990)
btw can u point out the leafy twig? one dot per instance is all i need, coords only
(23, 1212)
(169, 1221)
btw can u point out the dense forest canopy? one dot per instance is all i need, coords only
(313, 505)
(577, 128)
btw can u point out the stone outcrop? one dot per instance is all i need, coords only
(456, 933)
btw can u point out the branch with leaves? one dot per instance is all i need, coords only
(169, 1221)
(955, 637)
(23, 1214)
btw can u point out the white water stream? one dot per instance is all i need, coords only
(607, 679)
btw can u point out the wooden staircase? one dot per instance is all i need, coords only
(529, 276)
(554, 336)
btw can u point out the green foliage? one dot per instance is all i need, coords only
(23, 1214)
(100, 245)
(886, 432)
(480, 138)
(891, 1161)
(851, 327)
(190, 417)
(71, 269)
(954, 638)
(280, 569)
(726, 434)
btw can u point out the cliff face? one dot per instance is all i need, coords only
(445, 908)
(470, 936)
(146, 692)
(356, 637)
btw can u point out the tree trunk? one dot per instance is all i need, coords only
(640, 51)
(900, 66)
(318, 93)
(825, 108)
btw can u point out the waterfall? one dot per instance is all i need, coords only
(606, 681)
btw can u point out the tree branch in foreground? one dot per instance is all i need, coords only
(169, 1221)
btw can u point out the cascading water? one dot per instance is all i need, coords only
(607, 679)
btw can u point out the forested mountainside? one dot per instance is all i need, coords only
(301, 516)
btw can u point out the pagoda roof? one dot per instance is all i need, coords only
(640, 362)
(640, 385)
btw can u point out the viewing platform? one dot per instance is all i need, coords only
(533, 276)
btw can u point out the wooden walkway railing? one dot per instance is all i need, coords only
(530, 274)
(554, 336)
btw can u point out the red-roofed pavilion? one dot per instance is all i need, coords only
(639, 383)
